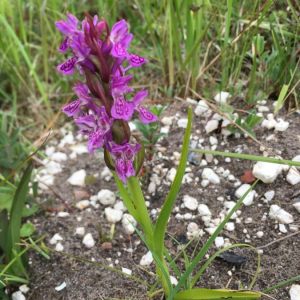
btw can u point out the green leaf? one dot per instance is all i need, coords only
(206, 294)
(3, 231)
(282, 94)
(13, 235)
(162, 220)
(27, 212)
(157, 137)
(5, 201)
(27, 229)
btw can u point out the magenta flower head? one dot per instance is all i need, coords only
(106, 102)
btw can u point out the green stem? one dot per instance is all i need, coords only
(139, 201)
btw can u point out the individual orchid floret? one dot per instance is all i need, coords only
(66, 28)
(121, 108)
(119, 83)
(73, 109)
(121, 40)
(123, 156)
(145, 115)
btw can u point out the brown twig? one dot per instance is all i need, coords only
(287, 236)
(58, 196)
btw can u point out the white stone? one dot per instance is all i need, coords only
(63, 214)
(171, 174)
(174, 281)
(127, 222)
(222, 97)
(49, 150)
(293, 176)
(190, 202)
(297, 206)
(132, 126)
(242, 190)
(106, 197)
(80, 231)
(82, 204)
(187, 216)
(281, 125)
(263, 108)
(204, 210)
(151, 187)
(211, 230)
(213, 140)
(67, 139)
(282, 228)
(165, 130)
(120, 206)
(106, 174)
(59, 247)
(166, 120)
(211, 125)
(295, 292)
(217, 117)
(79, 149)
(204, 183)
(211, 176)
(182, 123)
(269, 195)
(187, 178)
(266, 172)
(192, 227)
(24, 288)
(280, 215)
(45, 180)
(57, 237)
(88, 240)
(78, 178)
(229, 226)
(59, 156)
(126, 271)
(147, 259)
(259, 234)
(113, 215)
(224, 131)
(219, 241)
(18, 296)
(202, 109)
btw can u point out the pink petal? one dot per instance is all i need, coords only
(68, 67)
(72, 109)
(72, 20)
(121, 108)
(121, 169)
(130, 171)
(95, 141)
(118, 50)
(64, 45)
(119, 31)
(139, 96)
(145, 115)
(135, 60)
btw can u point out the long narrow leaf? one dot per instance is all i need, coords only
(207, 245)
(162, 220)
(13, 235)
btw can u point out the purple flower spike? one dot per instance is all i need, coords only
(121, 108)
(68, 67)
(145, 115)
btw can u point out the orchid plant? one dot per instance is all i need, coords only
(102, 112)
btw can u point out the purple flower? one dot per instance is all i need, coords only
(124, 156)
(119, 83)
(73, 108)
(121, 108)
(145, 115)
(66, 28)
(121, 40)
